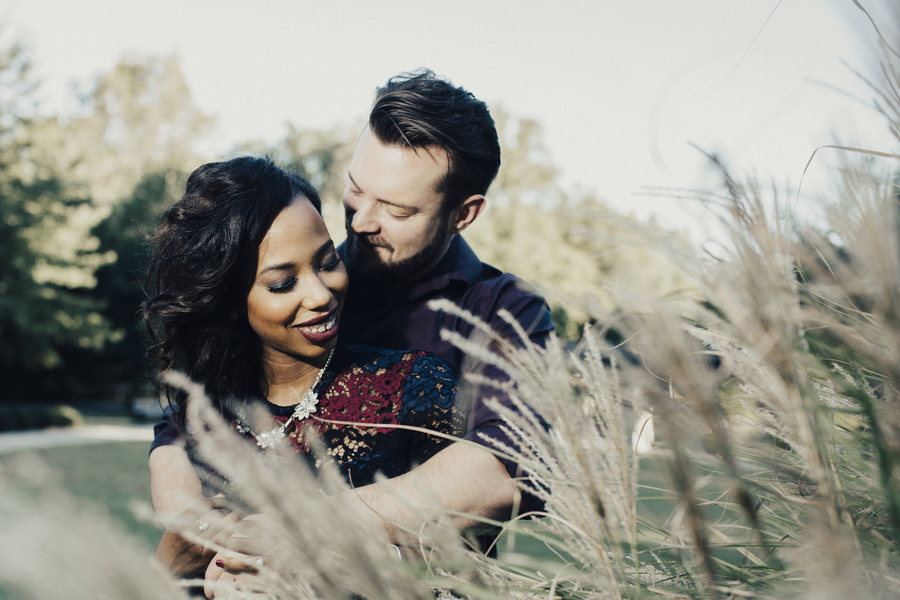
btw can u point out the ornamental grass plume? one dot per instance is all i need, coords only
(774, 395)
(580, 466)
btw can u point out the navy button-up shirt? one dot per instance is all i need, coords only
(404, 321)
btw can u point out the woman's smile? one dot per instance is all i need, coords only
(320, 330)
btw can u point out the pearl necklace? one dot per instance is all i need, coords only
(304, 408)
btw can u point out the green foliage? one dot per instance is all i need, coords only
(78, 196)
(323, 157)
(772, 388)
(572, 247)
(47, 253)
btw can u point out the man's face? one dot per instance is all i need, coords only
(396, 228)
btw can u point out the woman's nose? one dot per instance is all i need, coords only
(318, 294)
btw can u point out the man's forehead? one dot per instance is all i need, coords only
(369, 140)
(377, 163)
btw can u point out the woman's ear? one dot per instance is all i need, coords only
(467, 212)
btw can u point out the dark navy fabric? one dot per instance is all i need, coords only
(406, 321)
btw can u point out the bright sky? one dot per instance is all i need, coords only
(621, 88)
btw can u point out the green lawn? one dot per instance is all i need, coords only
(112, 475)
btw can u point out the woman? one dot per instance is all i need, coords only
(246, 290)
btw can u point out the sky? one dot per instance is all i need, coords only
(626, 92)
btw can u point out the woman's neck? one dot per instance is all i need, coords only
(287, 380)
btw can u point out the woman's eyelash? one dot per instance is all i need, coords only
(283, 286)
(332, 264)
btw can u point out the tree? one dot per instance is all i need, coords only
(322, 156)
(132, 147)
(138, 119)
(48, 255)
(79, 194)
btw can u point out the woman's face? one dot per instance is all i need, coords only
(295, 302)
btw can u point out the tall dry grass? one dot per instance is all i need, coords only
(772, 473)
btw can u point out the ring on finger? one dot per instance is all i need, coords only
(260, 562)
(203, 526)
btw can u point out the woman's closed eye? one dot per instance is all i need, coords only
(284, 286)
(332, 263)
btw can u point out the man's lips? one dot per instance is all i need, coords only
(367, 245)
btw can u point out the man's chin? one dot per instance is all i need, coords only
(369, 271)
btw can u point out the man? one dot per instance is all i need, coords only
(418, 178)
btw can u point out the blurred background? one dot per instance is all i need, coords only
(606, 111)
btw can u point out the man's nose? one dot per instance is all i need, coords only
(362, 219)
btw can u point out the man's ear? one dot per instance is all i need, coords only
(467, 212)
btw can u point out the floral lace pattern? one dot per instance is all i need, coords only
(368, 387)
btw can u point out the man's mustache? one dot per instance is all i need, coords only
(371, 239)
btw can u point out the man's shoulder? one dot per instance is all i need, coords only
(486, 278)
(494, 290)
(494, 283)
(376, 359)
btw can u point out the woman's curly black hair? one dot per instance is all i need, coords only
(203, 261)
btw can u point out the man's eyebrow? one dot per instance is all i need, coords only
(289, 266)
(412, 209)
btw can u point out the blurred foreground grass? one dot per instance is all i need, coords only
(109, 477)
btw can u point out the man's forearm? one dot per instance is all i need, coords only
(462, 478)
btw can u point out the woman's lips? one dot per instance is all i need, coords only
(320, 330)
(329, 316)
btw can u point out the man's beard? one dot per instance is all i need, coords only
(379, 274)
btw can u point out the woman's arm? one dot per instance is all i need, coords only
(178, 499)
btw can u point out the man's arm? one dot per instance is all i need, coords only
(461, 478)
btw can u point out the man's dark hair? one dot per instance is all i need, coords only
(203, 263)
(420, 110)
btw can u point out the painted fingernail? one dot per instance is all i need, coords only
(220, 563)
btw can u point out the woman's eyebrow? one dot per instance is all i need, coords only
(325, 248)
(288, 266)
(281, 267)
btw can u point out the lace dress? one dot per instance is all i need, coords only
(371, 386)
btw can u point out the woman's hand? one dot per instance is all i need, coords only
(221, 583)
(239, 564)
(253, 536)
(186, 556)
